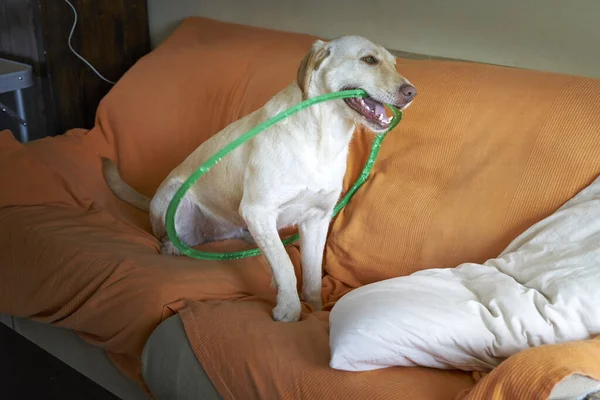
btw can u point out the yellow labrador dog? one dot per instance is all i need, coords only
(289, 175)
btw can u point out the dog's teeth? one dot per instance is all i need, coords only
(380, 117)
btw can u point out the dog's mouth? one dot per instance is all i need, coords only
(372, 110)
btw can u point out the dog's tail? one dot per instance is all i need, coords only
(120, 188)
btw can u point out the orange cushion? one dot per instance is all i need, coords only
(482, 154)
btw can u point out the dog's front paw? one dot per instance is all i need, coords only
(287, 309)
(168, 248)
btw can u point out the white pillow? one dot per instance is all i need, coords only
(542, 289)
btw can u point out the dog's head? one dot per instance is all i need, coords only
(353, 62)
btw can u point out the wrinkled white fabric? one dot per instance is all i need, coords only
(543, 289)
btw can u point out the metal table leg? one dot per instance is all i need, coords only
(23, 129)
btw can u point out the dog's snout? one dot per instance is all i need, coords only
(408, 91)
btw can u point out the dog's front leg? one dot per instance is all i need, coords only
(262, 225)
(313, 235)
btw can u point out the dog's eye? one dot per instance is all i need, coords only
(370, 60)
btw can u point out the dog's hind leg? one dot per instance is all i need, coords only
(195, 223)
(186, 226)
(188, 220)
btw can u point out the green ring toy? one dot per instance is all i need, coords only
(212, 161)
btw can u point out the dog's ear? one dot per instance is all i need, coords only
(310, 63)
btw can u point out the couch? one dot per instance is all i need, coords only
(484, 152)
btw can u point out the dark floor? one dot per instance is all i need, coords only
(29, 372)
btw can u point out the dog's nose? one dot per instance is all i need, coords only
(408, 91)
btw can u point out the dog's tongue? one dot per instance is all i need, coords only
(375, 105)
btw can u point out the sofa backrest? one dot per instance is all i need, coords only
(482, 153)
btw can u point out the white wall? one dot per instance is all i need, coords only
(552, 35)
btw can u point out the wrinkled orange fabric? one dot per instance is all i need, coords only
(533, 373)
(482, 154)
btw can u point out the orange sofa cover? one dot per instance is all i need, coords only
(482, 154)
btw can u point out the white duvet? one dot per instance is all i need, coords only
(544, 288)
